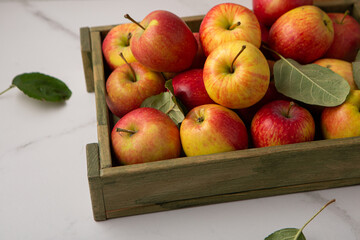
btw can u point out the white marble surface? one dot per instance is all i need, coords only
(43, 181)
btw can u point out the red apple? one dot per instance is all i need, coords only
(236, 81)
(282, 122)
(264, 33)
(126, 91)
(227, 22)
(268, 11)
(341, 67)
(303, 34)
(118, 41)
(145, 135)
(199, 59)
(344, 120)
(190, 90)
(166, 44)
(212, 128)
(346, 39)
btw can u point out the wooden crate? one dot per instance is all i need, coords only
(118, 191)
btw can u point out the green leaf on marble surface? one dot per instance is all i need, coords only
(287, 234)
(41, 86)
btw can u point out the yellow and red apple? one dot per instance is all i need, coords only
(240, 83)
(304, 34)
(145, 135)
(129, 85)
(118, 41)
(227, 22)
(344, 120)
(212, 128)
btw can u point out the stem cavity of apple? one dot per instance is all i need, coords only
(127, 16)
(125, 130)
(132, 70)
(301, 229)
(232, 64)
(235, 25)
(288, 111)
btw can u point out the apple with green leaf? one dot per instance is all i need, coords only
(212, 128)
(145, 135)
(236, 74)
(227, 22)
(344, 120)
(118, 41)
(282, 122)
(163, 42)
(341, 67)
(129, 85)
(346, 42)
(303, 34)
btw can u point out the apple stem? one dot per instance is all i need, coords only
(288, 111)
(232, 64)
(132, 70)
(11, 86)
(127, 16)
(300, 230)
(128, 38)
(125, 130)
(234, 25)
(345, 14)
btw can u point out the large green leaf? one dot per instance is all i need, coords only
(286, 234)
(42, 87)
(311, 83)
(165, 103)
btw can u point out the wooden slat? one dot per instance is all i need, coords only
(102, 111)
(237, 171)
(95, 185)
(165, 206)
(356, 11)
(85, 42)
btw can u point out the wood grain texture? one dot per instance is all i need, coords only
(102, 111)
(85, 42)
(233, 172)
(95, 184)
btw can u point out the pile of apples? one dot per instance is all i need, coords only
(223, 78)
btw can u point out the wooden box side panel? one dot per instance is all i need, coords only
(130, 187)
(95, 184)
(102, 111)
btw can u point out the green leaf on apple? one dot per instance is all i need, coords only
(294, 233)
(165, 103)
(311, 83)
(41, 86)
(356, 70)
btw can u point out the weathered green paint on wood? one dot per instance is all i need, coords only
(95, 184)
(86, 58)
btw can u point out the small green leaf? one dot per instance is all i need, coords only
(165, 103)
(42, 87)
(311, 83)
(286, 234)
